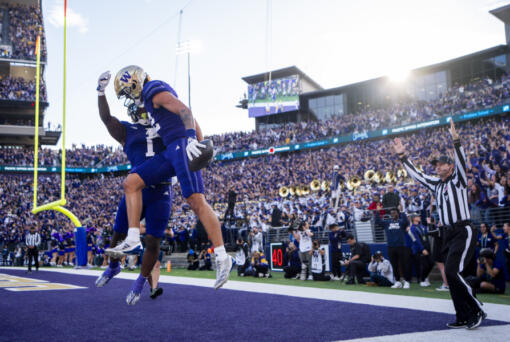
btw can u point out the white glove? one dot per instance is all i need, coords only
(193, 148)
(102, 82)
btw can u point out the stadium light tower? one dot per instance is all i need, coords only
(187, 47)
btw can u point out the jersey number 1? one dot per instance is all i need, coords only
(150, 147)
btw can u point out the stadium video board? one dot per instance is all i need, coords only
(273, 97)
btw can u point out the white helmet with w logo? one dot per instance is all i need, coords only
(129, 83)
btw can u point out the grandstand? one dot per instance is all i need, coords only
(282, 174)
(21, 21)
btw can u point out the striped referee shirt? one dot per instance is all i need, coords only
(451, 194)
(32, 239)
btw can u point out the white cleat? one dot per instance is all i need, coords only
(123, 248)
(443, 288)
(397, 285)
(425, 283)
(223, 268)
(406, 286)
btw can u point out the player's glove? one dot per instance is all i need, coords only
(193, 148)
(102, 82)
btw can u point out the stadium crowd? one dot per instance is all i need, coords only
(94, 199)
(458, 99)
(24, 24)
(17, 88)
(76, 156)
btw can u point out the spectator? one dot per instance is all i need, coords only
(399, 253)
(391, 199)
(487, 239)
(506, 243)
(276, 216)
(417, 239)
(335, 243)
(381, 272)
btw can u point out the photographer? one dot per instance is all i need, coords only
(381, 272)
(205, 256)
(192, 260)
(490, 277)
(335, 242)
(318, 263)
(357, 264)
(293, 267)
(256, 240)
(304, 237)
(242, 260)
(260, 265)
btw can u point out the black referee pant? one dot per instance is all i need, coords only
(33, 253)
(461, 243)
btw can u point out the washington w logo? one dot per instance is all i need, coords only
(125, 76)
(19, 284)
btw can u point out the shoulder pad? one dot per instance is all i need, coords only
(153, 88)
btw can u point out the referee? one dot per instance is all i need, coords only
(33, 240)
(450, 190)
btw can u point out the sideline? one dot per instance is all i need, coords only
(487, 334)
(494, 311)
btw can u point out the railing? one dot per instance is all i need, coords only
(376, 234)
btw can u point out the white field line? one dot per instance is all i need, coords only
(499, 312)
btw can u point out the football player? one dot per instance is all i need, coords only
(175, 124)
(140, 143)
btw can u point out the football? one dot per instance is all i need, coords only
(205, 158)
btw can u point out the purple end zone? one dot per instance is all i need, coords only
(192, 313)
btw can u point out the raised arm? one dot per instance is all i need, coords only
(426, 180)
(460, 157)
(115, 128)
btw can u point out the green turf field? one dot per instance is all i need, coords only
(277, 278)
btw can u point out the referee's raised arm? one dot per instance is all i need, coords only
(459, 176)
(429, 182)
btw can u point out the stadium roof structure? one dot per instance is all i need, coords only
(503, 14)
(482, 54)
(279, 73)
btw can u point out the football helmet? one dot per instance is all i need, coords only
(128, 83)
(138, 114)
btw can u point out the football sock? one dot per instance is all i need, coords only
(133, 234)
(220, 252)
